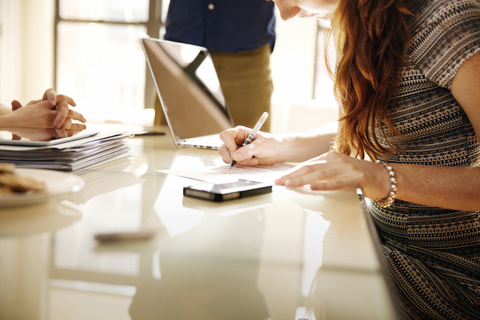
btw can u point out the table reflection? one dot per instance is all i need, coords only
(46, 217)
(208, 272)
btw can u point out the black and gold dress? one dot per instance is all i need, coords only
(433, 254)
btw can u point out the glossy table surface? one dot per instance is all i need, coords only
(291, 254)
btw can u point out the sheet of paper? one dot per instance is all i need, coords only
(223, 173)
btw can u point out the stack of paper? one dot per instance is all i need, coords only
(71, 155)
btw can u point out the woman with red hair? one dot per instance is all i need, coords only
(407, 81)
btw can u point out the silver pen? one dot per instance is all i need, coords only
(253, 133)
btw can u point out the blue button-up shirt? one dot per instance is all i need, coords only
(221, 25)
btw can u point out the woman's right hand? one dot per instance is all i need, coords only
(265, 149)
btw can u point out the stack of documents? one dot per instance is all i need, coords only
(71, 155)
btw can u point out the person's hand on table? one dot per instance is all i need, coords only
(52, 111)
(263, 150)
(334, 171)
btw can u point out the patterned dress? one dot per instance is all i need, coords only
(433, 254)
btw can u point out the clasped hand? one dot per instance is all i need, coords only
(52, 111)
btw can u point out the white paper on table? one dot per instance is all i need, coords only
(223, 173)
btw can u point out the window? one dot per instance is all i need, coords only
(99, 61)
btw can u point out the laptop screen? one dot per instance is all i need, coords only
(188, 88)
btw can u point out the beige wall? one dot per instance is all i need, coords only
(26, 49)
(293, 71)
(293, 59)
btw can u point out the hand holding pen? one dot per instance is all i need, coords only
(252, 134)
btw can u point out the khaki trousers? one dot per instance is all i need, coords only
(246, 85)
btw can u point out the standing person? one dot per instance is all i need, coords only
(407, 82)
(240, 36)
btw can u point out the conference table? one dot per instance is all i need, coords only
(289, 254)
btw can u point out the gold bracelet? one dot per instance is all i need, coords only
(387, 202)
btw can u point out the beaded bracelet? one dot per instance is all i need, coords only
(387, 202)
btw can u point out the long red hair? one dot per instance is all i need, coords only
(371, 38)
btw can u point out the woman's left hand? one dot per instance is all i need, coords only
(334, 171)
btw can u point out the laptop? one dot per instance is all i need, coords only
(189, 91)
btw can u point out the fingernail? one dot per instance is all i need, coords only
(56, 123)
(52, 102)
(237, 156)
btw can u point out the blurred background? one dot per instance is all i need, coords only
(89, 50)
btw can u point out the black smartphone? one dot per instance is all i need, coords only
(227, 191)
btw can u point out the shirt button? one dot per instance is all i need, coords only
(211, 6)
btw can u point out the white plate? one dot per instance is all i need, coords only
(57, 183)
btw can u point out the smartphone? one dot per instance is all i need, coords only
(227, 191)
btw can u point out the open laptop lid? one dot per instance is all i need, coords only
(189, 91)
